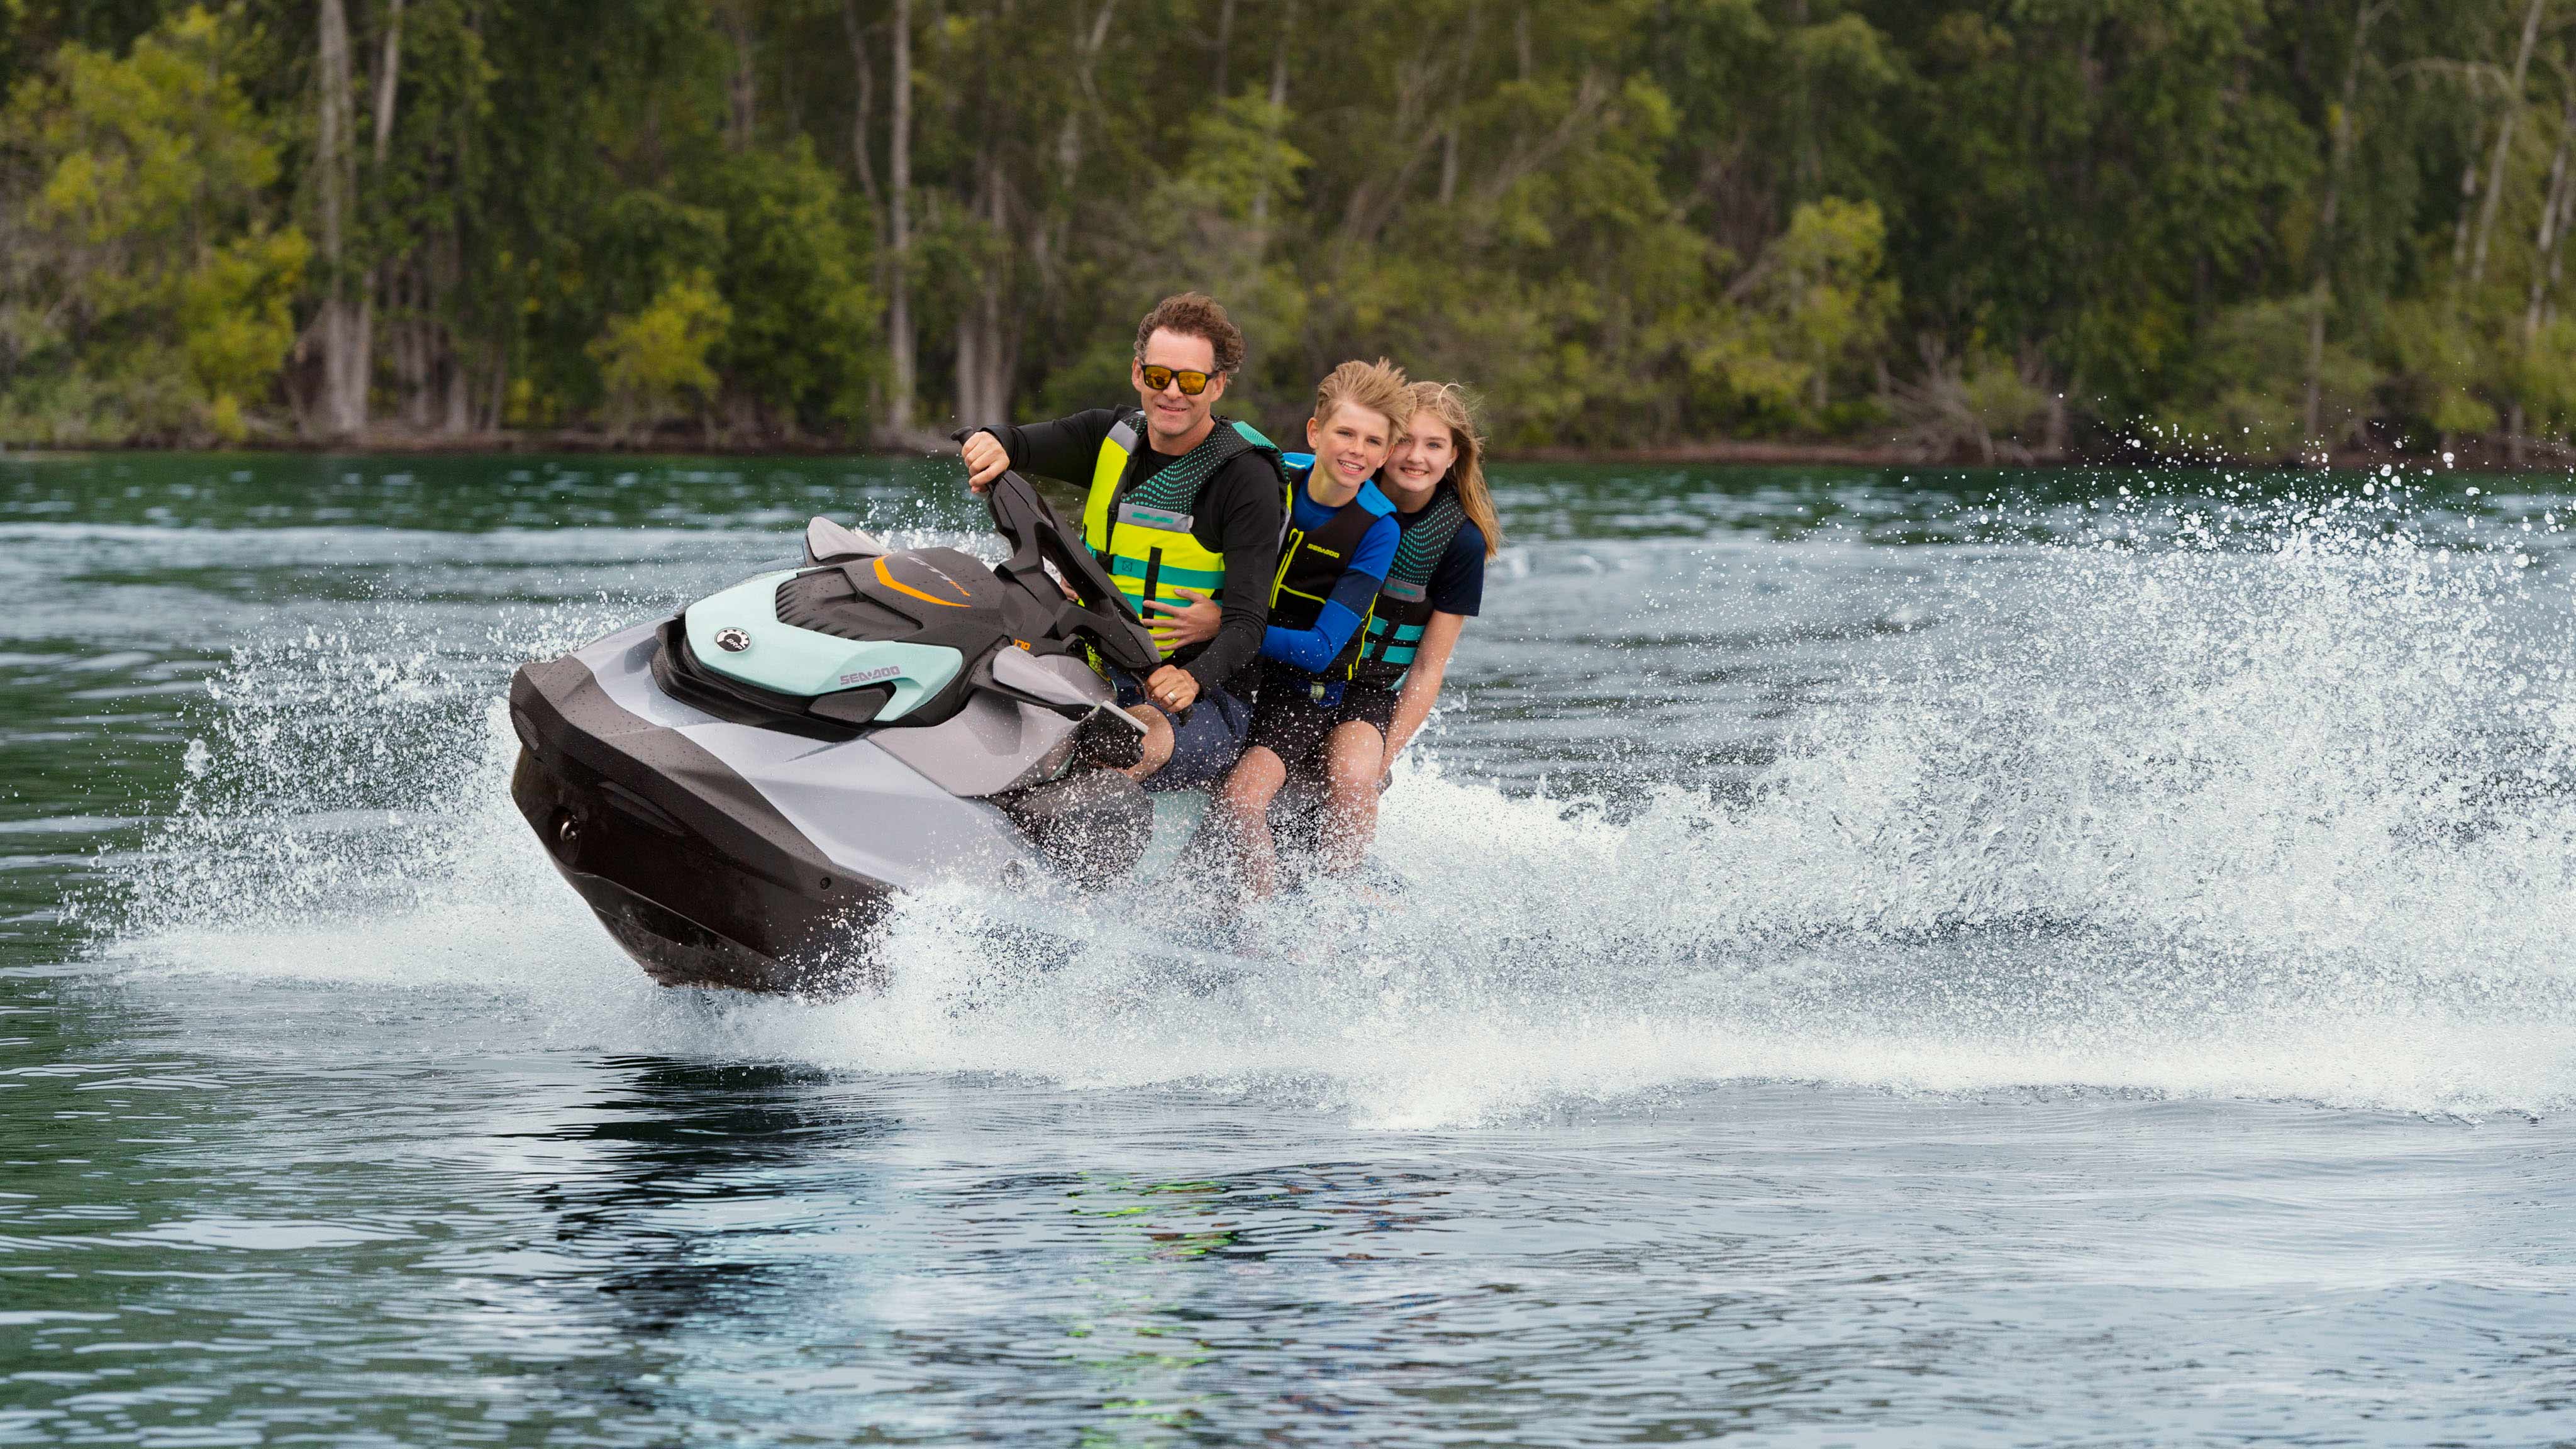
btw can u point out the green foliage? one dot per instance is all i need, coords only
(2443, 361)
(656, 361)
(803, 339)
(2242, 392)
(236, 321)
(147, 295)
(1814, 305)
(1627, 222)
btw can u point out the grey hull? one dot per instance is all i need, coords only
(718, 854)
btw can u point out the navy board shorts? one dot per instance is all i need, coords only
(1205, 743)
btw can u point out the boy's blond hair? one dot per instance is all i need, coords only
(1377, 386)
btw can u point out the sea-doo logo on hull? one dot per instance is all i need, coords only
(732, 641)
(871, 676)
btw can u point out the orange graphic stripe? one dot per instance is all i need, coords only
(900, 587)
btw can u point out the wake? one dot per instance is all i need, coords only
(2270, 800)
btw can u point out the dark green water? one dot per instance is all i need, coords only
(1894, 958)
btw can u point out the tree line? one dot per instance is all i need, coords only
(1979, 228)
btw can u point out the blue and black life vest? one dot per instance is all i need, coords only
(1392, 634)
(1311, 563)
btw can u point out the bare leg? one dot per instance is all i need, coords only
(1354, 758)
(1157, 745)
(1240, 810)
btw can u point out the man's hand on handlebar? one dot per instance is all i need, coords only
(985, 460)
(1172, 687)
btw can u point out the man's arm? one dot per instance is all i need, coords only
(1065, 450)
(1246, 498)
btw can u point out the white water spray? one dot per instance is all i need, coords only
(2268, 802)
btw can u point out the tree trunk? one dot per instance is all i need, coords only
(899, 339)
(390, 278)
(460, 395)
(986, 354)
(2468, 194)
(1224, 44)
(742, 92)
(344, 323)
(2544, 245)
(388, 71)
(415, 350)
(863, 106)
(1068, 146)
(1278, 102)
(496, 409)
(451, 263)
(2504, 142)
(2322, 299)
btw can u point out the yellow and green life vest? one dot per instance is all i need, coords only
(1143, 537)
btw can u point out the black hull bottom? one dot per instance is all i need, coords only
(797, 948)
(685, 865)
(677, 951)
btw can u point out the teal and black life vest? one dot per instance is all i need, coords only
(1310, 564)
(1143, 537)
(1393, 630)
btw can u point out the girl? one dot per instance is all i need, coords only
(1436, 478)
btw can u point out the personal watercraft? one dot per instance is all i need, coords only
(737, 791)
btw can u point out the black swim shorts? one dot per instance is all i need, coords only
(1371, 704)
(1289, 720)
(1297, 713)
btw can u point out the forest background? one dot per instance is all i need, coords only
(1987, 229)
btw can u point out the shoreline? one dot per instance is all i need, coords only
(2474, 455)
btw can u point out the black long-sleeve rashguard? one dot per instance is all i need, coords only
(1238, 515)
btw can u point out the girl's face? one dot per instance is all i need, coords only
(1349, 446)
(1424, 457)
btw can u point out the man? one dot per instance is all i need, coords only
(1182, 505)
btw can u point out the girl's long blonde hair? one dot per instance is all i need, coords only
(1448, 401)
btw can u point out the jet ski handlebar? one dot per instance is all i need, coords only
(1038, 538)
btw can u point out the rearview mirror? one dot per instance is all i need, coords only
(1015, 671)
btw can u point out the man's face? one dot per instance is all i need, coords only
(1170, 413)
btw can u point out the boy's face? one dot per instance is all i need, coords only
(1349, 447)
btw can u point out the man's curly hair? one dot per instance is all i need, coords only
(1195, 314)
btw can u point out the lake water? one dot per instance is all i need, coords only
(1971, 958)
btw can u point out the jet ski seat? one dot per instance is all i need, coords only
(827, 542)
